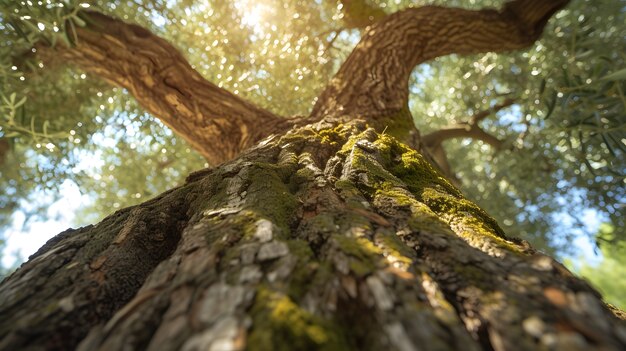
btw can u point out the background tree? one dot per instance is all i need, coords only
(328, 215)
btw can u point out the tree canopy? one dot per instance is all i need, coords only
(536, 137)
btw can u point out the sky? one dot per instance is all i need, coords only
(24, 240)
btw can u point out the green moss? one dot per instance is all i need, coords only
(398, 125)
(322, 223)
(396, 166)
(269, 196)
(428, 223)
(346, 186)
(476, 222)
(280, 324)
(300, 249)
(393, 246)
(348, 146)
(411, 167)
(306, 267)
(399, 197)
(377, 176)
(357, 247)
(350, 220)
(351, 195)
(365, 257)
(335, 136)
(393, 167)
(305, 173)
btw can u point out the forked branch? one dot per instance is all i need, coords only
(373, 82)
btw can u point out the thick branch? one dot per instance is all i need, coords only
(373, 81)
(214, 121)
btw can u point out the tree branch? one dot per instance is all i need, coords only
(217, 123)
(479, 116)
(373, 81)
(5, 148)
(435, 139)
(468, 129)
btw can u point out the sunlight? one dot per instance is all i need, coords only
(252, 14)
(252, 17)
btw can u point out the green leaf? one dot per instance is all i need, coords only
(32, 126)
(617, 142)
(11, 134)
(22, 114)
(608, 145)
(551, 105)
(45, 128)
(73, 39)
(31, 26)
(20, 103)
(618, 75)
(584, 54)
(67, 39)
(79, 21)
(53, 40)
(18, 29)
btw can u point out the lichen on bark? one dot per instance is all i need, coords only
(330, 237)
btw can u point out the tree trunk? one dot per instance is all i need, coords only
(330, 237)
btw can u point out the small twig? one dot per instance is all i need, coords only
(330, 43)
(479, 116)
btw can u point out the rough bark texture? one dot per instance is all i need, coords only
(163, 83)
(373, 81)
(330, 237)
(371, 84)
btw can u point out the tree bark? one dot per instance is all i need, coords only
(330, 237)
(373, 82)
(217, 123)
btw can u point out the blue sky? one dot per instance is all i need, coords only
(22, 241)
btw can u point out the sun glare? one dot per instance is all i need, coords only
(252, 17)
(252, 14)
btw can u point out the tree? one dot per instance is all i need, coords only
(319, 232)
(565, 124)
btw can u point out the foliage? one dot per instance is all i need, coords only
(565, 135)
(608, 275)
